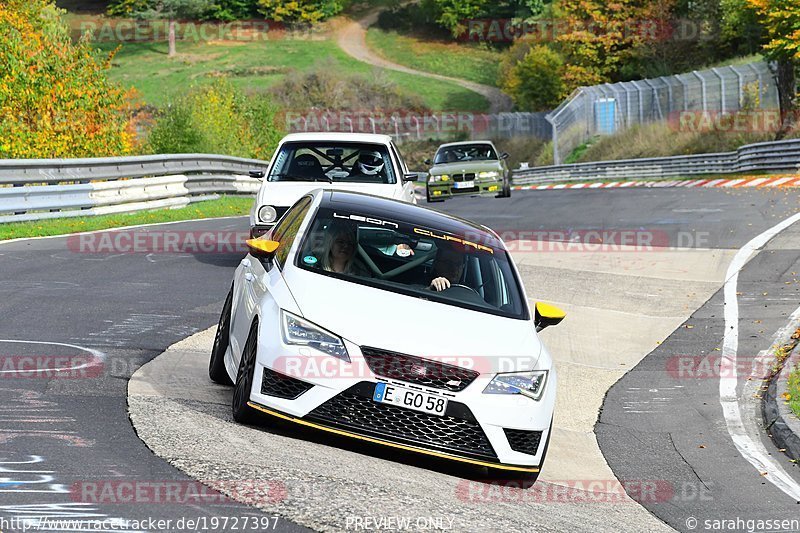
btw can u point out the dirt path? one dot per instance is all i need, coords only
(351, 38)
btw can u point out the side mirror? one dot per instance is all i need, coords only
(257, 174)
(547, 315)
(415, 176)
(504, 155)
(262, 247)
(428, 162)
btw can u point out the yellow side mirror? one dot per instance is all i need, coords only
(547, 315)
(262, 247)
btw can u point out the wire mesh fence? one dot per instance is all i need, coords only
(613, 107)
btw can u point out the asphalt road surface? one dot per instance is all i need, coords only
(70, 450)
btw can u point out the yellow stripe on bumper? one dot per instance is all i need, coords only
(302, 422)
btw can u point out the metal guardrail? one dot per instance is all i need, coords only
(767, 156)
(35, 189)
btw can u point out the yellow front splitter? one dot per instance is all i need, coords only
(532, 469)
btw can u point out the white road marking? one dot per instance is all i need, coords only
(750, 448)
(99, 357)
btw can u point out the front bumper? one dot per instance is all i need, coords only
(499, 431)
(448, 189)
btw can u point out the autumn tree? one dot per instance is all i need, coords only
(303, 11)
(601, 36)
(534, 81)
(55, 99)
(453, 14)
(781, 22)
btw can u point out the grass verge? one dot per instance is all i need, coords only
(222, 207)
(254, 66)
(464, 61)
(793, 387)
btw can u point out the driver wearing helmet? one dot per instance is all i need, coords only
(369, 165)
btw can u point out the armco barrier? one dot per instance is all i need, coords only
(35, 189)
(760, 157)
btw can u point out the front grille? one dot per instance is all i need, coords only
(465, 189)
(523, 441)
(279, 212)
(456, 432)
(464, 177)
(280, 386)
(410, 368)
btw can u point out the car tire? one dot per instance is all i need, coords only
(216, 365)
(506, 191)
(526, 479)
(243, 413)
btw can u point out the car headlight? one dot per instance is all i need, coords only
(439, 177)
(300, 332)
(488, 174)
(267, 214)
(530, 384)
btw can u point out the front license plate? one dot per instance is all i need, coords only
(410, 399)
(464, 184)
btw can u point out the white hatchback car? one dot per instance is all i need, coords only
(361, 162)
(394, 324)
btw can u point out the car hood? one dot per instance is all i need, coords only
(465, 166)
(286, 193)
(367, 316)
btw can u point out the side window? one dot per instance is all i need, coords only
(286, 230)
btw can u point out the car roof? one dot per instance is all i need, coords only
(369, 204)
(462, 143)
(338, 137)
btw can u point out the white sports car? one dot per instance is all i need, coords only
(306, 161)
(394, 324)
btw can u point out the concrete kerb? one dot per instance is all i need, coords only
(781, 423)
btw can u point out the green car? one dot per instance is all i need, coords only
(468, 168)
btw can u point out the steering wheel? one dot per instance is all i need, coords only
(460, 286)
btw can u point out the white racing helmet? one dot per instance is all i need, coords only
(370, 162)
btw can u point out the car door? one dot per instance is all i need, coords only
(407, 187)
(257, 276)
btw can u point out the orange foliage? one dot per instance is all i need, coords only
(55, 100)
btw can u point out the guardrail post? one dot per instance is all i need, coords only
(554, 128)
(702, 89)
(721, 89)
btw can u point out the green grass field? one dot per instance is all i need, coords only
(255, 66)
(458, 60)
(223, 207)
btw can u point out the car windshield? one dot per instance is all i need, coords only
(404, 258)
(465, 152)
(333, 162)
